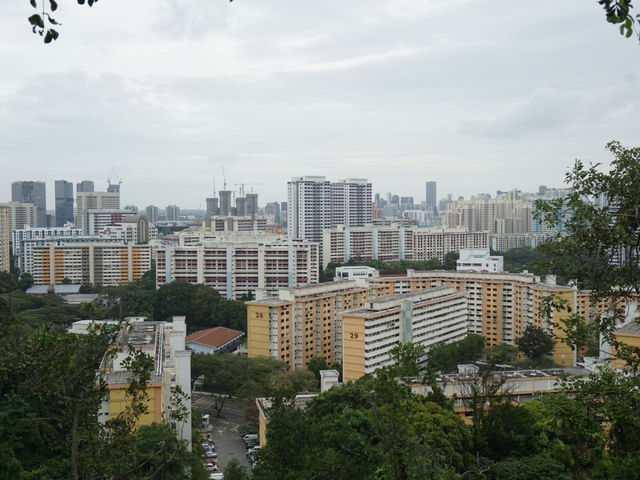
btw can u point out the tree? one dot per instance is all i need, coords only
(600, 250)
(235, 471)
(315, 365)
(618, 12)
(42, 22)
(600, 245)
(535, 343)
(446, 357)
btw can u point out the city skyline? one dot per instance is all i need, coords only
(387, 90)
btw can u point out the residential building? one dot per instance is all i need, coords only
(236, 224)
(21, 215)
(304, 322)
(164, 342)
(34, 193)
(504, 242)
(5, 236)
(396, 242)
(86, 201)
(315, 204)
(479, 260)
(214, 340)
(21, 235)
(132, 229)
(427, 318)
(64, 202)
(152, 213)
(500, 305)
(237, 264)
(107, 262)
(172, 213)
(94, 221)
(300, 323)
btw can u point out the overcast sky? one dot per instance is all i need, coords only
(476, 95)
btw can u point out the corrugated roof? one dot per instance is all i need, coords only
(214, 337)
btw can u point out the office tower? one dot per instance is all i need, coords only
(251, 205)
(225, 202)
(95, 201)
(34, 193)
(131, 208)
(172, 213)
(85, 186)
(152, 213)
(241, 205)
(272, 210)
(431, 197)
(64, 202)
(212, 207)
(5, 236)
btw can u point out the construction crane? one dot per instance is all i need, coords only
(113, 181)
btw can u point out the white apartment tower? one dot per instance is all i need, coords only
(315, 204)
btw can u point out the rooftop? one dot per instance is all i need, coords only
(214, 337)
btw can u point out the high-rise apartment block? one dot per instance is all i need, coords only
(34, 193)
(21, 215)
(95, 201)
(96, 263)
(64, 202)
(319, 320)
(172, 213)
(152, 213)
(315, 204)
(394, 243)
(5, 237)
(428, 318)
(237, 264)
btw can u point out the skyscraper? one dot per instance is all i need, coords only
(432, 197)
(64, 202)
(34, 193)
(85, 186)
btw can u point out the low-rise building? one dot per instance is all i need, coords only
(164, 342)
(214, 340)
(479, 260)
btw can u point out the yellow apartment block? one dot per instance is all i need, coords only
(629, 334)
(304, 322)
(430, 317)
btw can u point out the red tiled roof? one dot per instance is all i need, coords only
(214, 337)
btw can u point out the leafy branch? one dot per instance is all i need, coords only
(41, 23)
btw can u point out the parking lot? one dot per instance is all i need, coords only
(225, 432)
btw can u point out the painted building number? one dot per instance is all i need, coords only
(353, 335)
(259, 315)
